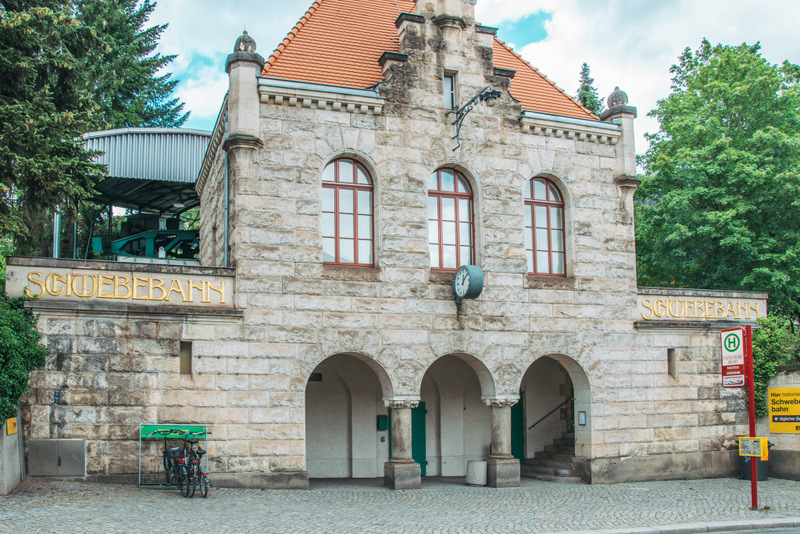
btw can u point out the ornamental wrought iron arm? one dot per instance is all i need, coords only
(487, 94)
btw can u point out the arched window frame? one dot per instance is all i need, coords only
(553, 223)
(463, 219)
(337, 187)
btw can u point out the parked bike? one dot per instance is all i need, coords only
(197, 474)
(174, 459)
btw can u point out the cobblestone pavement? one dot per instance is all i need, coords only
(441, 506)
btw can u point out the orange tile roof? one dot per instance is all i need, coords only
(338, 42)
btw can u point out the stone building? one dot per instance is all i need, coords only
(381, 147)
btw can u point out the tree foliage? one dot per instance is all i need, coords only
(720, 203)
(20, 352)
(775, 343)
(587, 94)
(46, 103)
(129, 85)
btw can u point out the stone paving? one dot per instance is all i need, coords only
(441, 506)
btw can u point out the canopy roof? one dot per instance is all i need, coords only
(152, 170)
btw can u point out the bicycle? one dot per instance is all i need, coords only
(174, 459)
(197, 474)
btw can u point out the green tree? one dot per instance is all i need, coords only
(46, 104)
(20, 352)
(587, 94)
(130, 86)
(775, 343)
(718, 207)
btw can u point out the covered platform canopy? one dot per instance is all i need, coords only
(152, 170)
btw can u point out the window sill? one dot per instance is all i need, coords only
(532, 281)
(444, 278)
(348, 273)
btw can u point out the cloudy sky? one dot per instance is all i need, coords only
(629, 43)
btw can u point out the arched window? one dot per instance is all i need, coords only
(347, 214)
(544, 228)
(451, 236)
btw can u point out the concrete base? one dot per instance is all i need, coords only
(503, 473)
(784, 464)
(402, 476)
(685, 466)
(9, 461)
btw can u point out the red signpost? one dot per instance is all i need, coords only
(737, 368)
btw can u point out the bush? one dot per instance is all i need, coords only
(775, 343)
(20, 352)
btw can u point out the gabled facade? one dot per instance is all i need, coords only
(350, 175)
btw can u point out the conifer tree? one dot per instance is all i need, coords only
(126, 73)
(587, 94)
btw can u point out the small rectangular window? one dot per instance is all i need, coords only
(450, 91)
(186, 357)
(671, 365)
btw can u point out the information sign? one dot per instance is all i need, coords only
(11, 426)
(784, 410)
(732, 357)
(754, 447)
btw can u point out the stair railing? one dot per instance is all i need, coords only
(550, 412)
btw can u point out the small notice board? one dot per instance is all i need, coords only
(754, 447)
(784, 410)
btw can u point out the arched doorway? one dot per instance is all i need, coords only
(346, 420)
(551, 423)
(457, 422)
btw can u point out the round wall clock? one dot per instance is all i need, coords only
(468, 282)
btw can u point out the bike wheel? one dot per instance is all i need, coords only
(168, 469)
(204, 482)
(183, 481)
(191, 482)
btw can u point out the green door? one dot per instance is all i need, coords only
(418, 452)
(518, 429)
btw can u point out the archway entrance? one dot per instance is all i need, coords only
(457, 422)
(346, 421)
(550, 426)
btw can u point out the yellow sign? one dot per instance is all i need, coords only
(784, 410)
(11, 426)
(699, 308)
(754, 447)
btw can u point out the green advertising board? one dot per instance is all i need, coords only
(176, 431)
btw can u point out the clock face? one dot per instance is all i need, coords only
(461, 284)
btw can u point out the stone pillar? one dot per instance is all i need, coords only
(401, 471)
(621, 113)
(243, 67)
(503, 468)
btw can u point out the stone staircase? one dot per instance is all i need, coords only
(554, 463)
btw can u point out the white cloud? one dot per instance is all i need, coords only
(632, 44)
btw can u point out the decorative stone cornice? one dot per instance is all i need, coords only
(624, 180)
(508, 73)
(485, 29)
(570, 128)
(444, 21)
(315, 96)
(213, 146)
(501, 402)
(618, 110)
(398, 404)
(392, 56)
(246, 57)
(409, 17)
(241, 141)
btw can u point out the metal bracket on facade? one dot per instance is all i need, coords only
(487, 94)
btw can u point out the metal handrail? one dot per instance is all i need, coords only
(550, 413)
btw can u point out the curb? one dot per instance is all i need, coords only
(691, 528)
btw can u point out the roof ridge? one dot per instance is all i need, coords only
(518, 56)
(289, 37)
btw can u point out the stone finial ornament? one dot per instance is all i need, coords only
(245, 43)
(617, 98)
